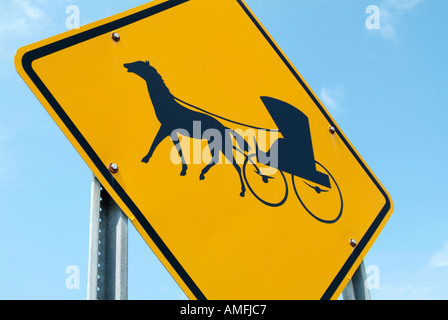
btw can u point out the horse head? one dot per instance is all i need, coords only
(140, 68)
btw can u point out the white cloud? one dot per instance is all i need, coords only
(388, 25)
(332, 97)
(21, 17)
(410, 291)
(439, 259)
(391, 13)
(403, 4)
(21, 22)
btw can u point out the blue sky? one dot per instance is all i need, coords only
(387, 89)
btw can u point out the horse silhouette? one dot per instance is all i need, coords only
(176, 119)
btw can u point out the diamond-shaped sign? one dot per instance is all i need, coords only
(214, 146)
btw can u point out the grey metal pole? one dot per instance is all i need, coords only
(108, 248)
(92, 272)
(357, 288)
(349, 292)
(360, 286)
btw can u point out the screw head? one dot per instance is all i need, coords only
(332, 130)
(113, 167)
(115, 36)
(353, 243)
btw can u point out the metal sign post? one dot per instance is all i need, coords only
(357, 288)
(108, 248)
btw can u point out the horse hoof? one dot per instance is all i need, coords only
(145, 160)
(242, 194)
(183, 173)
(201, 177)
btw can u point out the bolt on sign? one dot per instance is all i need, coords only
(214, 146)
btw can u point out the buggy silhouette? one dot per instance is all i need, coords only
(294, 155)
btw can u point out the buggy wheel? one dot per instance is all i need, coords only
(268, 185)
(323, 204)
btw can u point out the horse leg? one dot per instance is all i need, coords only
(238, 169)
(212, 162)
(205, 170)
(179, 151)
(161, 134)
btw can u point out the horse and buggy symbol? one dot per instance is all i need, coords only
(314, 186)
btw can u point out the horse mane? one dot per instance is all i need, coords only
(155, 77)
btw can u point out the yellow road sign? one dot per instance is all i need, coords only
(214, 146)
